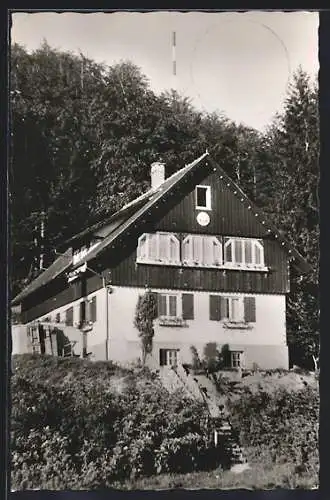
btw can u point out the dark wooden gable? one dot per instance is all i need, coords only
(229, 214)
(176, 212)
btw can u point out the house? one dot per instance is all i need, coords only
(219, 268)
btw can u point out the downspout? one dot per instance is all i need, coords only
(106, 319)
(84, 316)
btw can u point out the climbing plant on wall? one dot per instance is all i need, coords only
(145, 314)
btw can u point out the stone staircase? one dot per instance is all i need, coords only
(202, 389)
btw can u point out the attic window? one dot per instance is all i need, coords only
(203, 197)
(158, 248)
(80, 253)
(244, 253)
(201, 250)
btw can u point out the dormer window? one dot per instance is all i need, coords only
(158, 248)
(244, 253)
(81, 252)
(201, 250)
(203, 197)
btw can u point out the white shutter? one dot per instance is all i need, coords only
(152, 247)
(174, 249)
(142, 247)
(229, 251)
(163, 249)
(197, 248)
(187, 253)
(216, 252)
(206, 257)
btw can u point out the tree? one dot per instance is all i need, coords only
(54, 96)
(294, 144)
(145, 314)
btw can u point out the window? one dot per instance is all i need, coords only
(235, 310)
(168, 357)
(167, 305)
(158, 248)
(174, 309)
(81, 252)
(244, 252)
(203, 197)
(231, 309)
(201, 250)
(236, 359)
(58, 318)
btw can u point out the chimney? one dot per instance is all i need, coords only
(157, 174)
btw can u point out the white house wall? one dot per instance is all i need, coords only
(264, 344)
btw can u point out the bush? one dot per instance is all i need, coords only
(281, 427)
(75, 432)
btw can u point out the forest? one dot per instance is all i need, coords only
(83, 136)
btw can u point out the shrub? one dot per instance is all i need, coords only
(282, 427)
(196, 362)
(215, 358)
(78, 433)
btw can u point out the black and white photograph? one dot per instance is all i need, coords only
(164, 246)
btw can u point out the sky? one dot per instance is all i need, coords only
(238, 64)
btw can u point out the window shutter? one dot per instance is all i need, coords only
(250, 309)
(163, 250)
(162, 357)
(187, 253)
(215, 307)
(238, 251)
(69, 317)
(162, 305)
(224, 309)
(229, 252)
(216, 252)
(156, 295)
(187, 306)
(153, 246)
(92, 310)
(82, 311)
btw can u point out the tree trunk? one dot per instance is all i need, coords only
(144, 355)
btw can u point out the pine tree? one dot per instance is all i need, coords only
(294, 146)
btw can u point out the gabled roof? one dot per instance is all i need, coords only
(131, 213)
(59, 266)
(150, 199)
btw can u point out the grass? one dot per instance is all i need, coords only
(258, 477)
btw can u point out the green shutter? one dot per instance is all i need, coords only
(215, 307)
(82, 312)
(162, 305)
(224, 308)
(250, 309)
(69, 316)
(187, 306)
(162, 357)
(92, 310)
